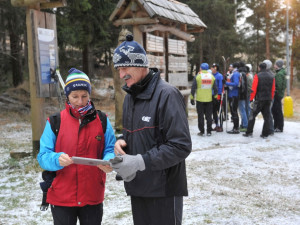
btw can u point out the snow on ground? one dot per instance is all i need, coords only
(232, 180)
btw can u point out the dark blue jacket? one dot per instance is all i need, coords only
(219, 82)
(155, 125)
(233, 85)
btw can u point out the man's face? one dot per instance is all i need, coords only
(230, 68)
(213, 69)
(132, 75)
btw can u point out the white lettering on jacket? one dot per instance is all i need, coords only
(146, 118)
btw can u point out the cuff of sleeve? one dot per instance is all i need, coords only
(57, 161)
(120, 137)
(147, 160)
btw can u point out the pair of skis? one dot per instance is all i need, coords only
(55, 74)
(225, 62)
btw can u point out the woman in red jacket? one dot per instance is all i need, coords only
(77, 191)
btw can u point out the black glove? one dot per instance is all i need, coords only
(192, 101)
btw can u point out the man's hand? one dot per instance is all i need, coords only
(65, 160)
(119, 145)
(128, 167)
(192, 101)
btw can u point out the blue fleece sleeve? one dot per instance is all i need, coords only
(220, 84)
(235, 80)
(47, 157)
(110, 140)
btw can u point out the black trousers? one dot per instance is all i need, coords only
(204, 108)
(87, 215)
(277, 113)
(216, 109)
(233, 104)
(157, 211)
(264, 108)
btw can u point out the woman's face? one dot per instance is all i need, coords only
(79, 98)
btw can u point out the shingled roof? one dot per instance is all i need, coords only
(168, 10)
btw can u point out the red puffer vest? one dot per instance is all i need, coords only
(79, 185)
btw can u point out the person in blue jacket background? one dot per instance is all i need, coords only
(217, 96)
(77, 191)
(233, 97)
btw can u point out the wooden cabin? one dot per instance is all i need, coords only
(163, 28)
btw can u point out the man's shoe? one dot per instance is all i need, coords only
(263, 136)
(277, 130)
(219, 129)
(248, 135)
(233, 131)
(200, 134)
(209, 134)
(215, 129)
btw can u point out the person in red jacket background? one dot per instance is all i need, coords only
(263, 89)
(77, 191)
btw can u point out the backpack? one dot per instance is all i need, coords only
(48, 176)
(243, 85)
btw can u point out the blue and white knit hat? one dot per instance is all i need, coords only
(77, 80)
(130, 54)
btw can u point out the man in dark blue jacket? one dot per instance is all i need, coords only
(217, 97)
(233, 97)
(155, 142)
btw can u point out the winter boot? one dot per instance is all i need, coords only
(219, 129)
(248, 135)
(263, 136)
(200, 134)
(233, 131)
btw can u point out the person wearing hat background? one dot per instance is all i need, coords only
(155, 140)
(77, 191)
(280, 86)
(204, 86)
(233, 97)
(263, 89)
(269, 70)
(217, 98)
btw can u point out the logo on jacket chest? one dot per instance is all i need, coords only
(146, 118)
(98, 138)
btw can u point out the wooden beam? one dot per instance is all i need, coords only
(181, 34)
(135, 21)
(57, 4)
(196, 30)
(126, 11)
(19, 3)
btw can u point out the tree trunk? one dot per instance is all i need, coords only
(292, 61)
(119, 93)
(15, 59)
(267, 16)
(87, 60)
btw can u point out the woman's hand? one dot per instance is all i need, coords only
(105, 168)
(65, 160)
(119, 145)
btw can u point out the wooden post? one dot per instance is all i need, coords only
(119, 93)
(37, 104)
(166, 44)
